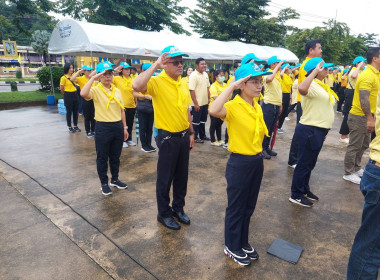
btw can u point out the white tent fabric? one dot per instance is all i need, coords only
(78, 38)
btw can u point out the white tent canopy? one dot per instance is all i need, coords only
(78, 38)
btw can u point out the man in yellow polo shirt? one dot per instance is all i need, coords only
(313, 49)
(272, 104)
(361, 121)
(175, 138)
(286, 87)
(364, 262)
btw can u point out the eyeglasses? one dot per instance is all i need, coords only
(176, 63)
(256, 82)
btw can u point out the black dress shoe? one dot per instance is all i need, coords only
(265, 155)
(168, 222)
(271, 153)
(206, 139)
(182, 217)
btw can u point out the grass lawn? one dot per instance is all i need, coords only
(15, 79)
(18, 96)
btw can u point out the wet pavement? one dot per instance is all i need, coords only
(56, 224)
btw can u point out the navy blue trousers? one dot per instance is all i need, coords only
(109, 138)
(310, 141)
(270, 113)
(243, 174)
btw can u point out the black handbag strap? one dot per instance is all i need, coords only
(71, 81)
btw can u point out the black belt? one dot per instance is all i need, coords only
(166, 133)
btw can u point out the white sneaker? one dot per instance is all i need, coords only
(225, 146)
(344, 140)
(280, 131)
(216, 143)
(292, 166)
(354, 178)
(131, 143)
(221, 142)
(287, 119)
(360, 173)
(125, 145)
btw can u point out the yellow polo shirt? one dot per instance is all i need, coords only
(302, 76)
(67, 84)
(367, 80)
(273, 90)
(186, 79)
(113, 113)
(351, 81)
(125, 86)
(317, 109)
(295, 91)
(199, 82)
(82, 80)
(375, 144)
(287, 83)
(215, 90)
(170, 113)
(241, 125)
(329, 80)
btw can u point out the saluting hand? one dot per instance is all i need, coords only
(237, 84)
(118, 69)
(162, 60)
(97, 76)
(361, 65)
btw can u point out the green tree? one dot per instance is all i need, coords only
(40, 42)
(19, 19)
(150, 15)
(242, 20)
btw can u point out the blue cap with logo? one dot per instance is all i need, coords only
(312, 63)
(125, 65)
(358, 59)
(251, 57)
(173, 52)
(146, 66)
(87, 67)
(261, 65)
(103, 66)
(284, 65)
(273, 59)
(249, 69)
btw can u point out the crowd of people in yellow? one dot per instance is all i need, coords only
(254, 102)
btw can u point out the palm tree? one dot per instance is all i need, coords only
(40, 42)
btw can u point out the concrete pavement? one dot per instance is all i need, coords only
(56, 224)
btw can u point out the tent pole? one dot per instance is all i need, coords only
(92, 61)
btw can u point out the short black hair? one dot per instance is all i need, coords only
(199, 60)
(133, 68)
(66, 68)
(371, 53)
(311, 45)
(216, 73)
(236, 64)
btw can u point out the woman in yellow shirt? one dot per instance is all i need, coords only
(111, 129)
(70, 97)
(124, 83)
(244, 171)
(286, 86)
(216, 123)
(189, 70)
(88, 106)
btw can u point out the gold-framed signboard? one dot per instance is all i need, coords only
(10, 48)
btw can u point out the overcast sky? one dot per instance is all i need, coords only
(361, 16)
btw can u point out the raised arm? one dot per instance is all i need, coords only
(74, 76)
(140, 83)
(355, 74)
(303, 87)
(85, 92)
(269, 78)
(217, 109)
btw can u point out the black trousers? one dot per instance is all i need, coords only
(270, 113)
(244, 174)
(199, 121)
(71, 102)
(294, 144)
(172, 167)
(341, 97)
(108, 143)
(145, 128)
(285, 106)
(215, 126)
(349, 96)
(130, 119)
(89, 115)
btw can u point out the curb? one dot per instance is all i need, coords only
(19, 82)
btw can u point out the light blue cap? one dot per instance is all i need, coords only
(125, 65)
(87, 67)
(298, 65)
(251, 57)
(173, 52)
(249, 69)
(358, 59)
(312, 63)
(103, 66)
(261, 65)
(291, 67)
(146, 66)
(284, 65)
(109, 62)
(273, 59)
(345, 71)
